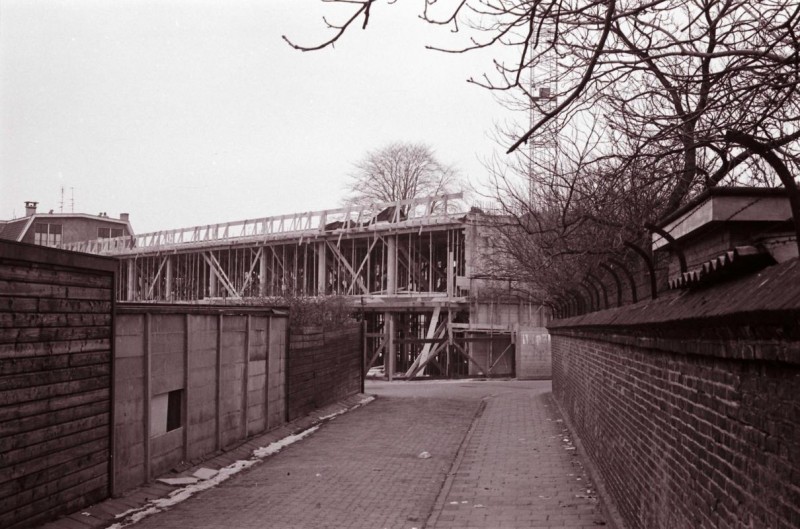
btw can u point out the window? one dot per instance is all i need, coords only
(109, 233)
(47, 234)
(166, 412)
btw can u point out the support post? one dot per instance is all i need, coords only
(390, 350)
(617, 282)
(363, 337)
(450, 275)
(628, 275)
(591, 278)
(591, 292)
(131, 287)
(168, 278)
(212, 281)
(322, 268)
(391, 265)
(262, 273)
(648, 261)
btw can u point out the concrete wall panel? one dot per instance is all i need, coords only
(219, 390)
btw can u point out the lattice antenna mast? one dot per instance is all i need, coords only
(543, 86)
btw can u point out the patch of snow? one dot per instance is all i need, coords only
(204, 473)
(376, 372)
(132, 516)
(135, 517)
(178, 481)
(365, 400)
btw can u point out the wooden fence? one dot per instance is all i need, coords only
(56, 324)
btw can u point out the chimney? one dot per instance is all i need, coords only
(30, 208)
(123, 216)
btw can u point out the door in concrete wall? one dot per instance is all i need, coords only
(533, 353)
(492, 355)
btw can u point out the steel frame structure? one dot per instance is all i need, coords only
(353, 264)
(398, 263)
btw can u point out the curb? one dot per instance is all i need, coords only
(607, 503)
(438, 505)
(136, 504)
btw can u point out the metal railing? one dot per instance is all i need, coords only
(402, 213)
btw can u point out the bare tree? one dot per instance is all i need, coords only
(400, 171)
(675, 75)
(658, 100)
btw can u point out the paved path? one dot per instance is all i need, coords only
(499, 458)
(519, 468)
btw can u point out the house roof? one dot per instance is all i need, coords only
(13, 230)
(55, 216)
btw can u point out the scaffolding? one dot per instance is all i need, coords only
(405, 268)
(419, 262)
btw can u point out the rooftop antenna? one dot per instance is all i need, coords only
(72, 199)
(61, 202)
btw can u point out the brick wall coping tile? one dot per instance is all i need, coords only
(20, 251)
(756, 317)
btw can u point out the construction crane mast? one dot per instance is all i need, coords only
(543, 86)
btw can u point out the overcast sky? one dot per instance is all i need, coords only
(196, 112)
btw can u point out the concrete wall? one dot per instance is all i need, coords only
(533, 356)
(55, 386)
(688, 405)
(190, 380)
(324, 366)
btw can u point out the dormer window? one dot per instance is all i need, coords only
(47, 234)
(109, 233)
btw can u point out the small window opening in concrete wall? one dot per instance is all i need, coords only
(165, 412)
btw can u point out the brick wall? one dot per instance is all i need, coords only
(55, 382)
(689, 406)
(324, 366)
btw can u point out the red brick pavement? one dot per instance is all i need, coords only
(500, 457)
(360, 470)
(518, 468)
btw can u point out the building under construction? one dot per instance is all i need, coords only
(409, 268)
